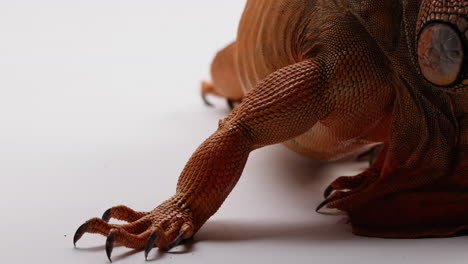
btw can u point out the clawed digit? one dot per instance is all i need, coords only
(347, 185)
(123, 213)
(144, 230)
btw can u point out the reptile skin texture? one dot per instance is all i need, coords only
(331, 78)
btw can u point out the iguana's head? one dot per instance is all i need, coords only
(442, 42)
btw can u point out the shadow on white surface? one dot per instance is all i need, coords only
(238, 231)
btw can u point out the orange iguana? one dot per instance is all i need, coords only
(329, 78)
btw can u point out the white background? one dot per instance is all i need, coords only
(100, 106)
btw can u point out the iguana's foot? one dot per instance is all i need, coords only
(165, 227)
(436, 210)
(347, 185)
(353, 182)
(400, 203)
(208, 88)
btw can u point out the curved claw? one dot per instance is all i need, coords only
(79, 233)
(365, 154)
(230, 103)
(372, 158)
(107, 215)
(371, 153)
(109, 245)
(328, 191)
(150, 244)
(205, 100)
(323, 204)
(177, 240)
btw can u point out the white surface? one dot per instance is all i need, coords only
(99, 106)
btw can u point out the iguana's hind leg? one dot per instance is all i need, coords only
(225, 81)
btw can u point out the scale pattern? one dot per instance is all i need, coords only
(327, 79)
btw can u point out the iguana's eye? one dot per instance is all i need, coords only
(440, 54)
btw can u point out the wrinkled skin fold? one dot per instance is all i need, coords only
(329, 79)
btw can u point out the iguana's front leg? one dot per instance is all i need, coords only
(286, 104)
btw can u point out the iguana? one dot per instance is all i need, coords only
(329, 78)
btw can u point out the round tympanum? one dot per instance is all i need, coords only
(440, 54)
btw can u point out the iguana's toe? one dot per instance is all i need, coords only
(124, 213)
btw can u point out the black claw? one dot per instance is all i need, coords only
(109, 245)
(372, 158)
(230, 103)
(107, 215)
(177, 241)
(79, 233)
(150, 244)
(205, 100)
(365, 154)
(372, 154)
(328, 191)
(323, 204)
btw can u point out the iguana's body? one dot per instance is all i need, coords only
(322, 28)
(329, 78)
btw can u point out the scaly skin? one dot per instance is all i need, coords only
(327, 79)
